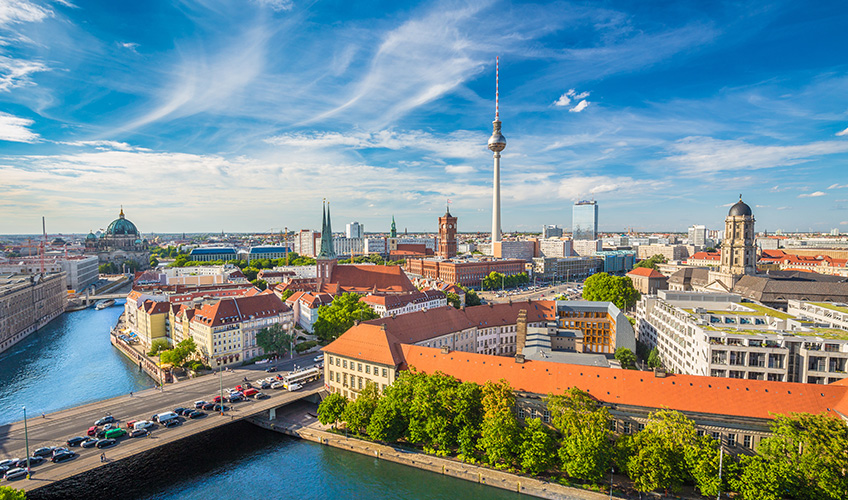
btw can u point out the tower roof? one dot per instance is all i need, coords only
(327, 251)
(740, 208)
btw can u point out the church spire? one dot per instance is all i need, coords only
(327, 251)
(393, 233)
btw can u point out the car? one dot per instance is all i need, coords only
(187, 411)
(144, 424)
(64, 457)
(239, 388)
(92, 430)
(316, 359)
(250, 392)
(199, 404)
(277, 385)
(216, 399)
(294, 387)
(172, 423)
(3, 469)
(209, 406)
(260, 395)
(139, 433)
(248, 385)
(271, 369)
(33, 461)
(162, 417)
(218, 408)
(43, 451)
(108, 419)
(116, 433)
(75, 441)
(196, 414)
(10, 462)
(17, 473)
(101, 434)
(105, 443)
(89, 443)
(108, 427)
(179, 411)
(265, 385)
(59, 450)
(131, 424)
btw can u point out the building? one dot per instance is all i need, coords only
(584, 221)
(392, 305)
(648, 281)
(447, 235)
(268, 252)
(704, 259)
(355, 230)
(830, 314)
(305, 305)
(190, 276)
(306, 242)
(211, 254)
(586, 248)
(27, 303)
(120, 241)
(698, 235)
(670, 252)
(716, 334)
(738, 249)
(552, 269)
(551, 231)
(465, 272)
(821, 263)
(80, 270)
(555, 247)
(617, 261)
(225, 331)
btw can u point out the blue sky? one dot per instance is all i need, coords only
(242, 115)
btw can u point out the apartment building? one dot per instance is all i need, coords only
(27, 303)
(392, 305)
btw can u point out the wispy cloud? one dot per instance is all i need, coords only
(580, 106)
(131, 46)
(838, 186)
(814, 194)
(16, 72)
(15, 129)
(458, 144)
(277, 5)
(21, 11)
(844, 132)
(106, 145)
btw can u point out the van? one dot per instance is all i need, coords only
(164, 417)
(143, 424)
(250, 392)
(115, 433)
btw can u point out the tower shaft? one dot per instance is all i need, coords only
(496, 199)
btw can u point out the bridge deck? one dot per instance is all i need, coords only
(55, 428)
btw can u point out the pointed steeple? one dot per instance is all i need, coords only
(327, 251)
(393, 233)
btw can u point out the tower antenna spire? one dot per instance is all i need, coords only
(497, 87)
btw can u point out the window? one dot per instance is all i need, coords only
(546, 416)
(641, 427)
(716, 436)
(368, 369)
(385, 373)
(626, 427)
(360, 382)
(731, 440)
(338, 363)
(746, 441)
(359, 367)
(344, 364)
(612, 425)
(521, 413)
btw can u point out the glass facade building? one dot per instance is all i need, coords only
(584, 220)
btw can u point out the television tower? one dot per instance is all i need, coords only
(497, 143)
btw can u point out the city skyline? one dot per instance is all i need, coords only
(210, 116)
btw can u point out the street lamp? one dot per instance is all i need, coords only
(612, 470)
(26, 440)
(221, 372)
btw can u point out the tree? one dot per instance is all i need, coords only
(154, 261)
(9, 493)
(260, 284)
(108, 268)
(179, 353)
(331, 409)
(130, 265)
(652, 262)
(471, 297)
(453, 299)
(626, 357)
(584, 424)
(702, 461)
(760, 479)
(659, 460)
(275, 338)
(616, 289)
(336, 318)
(494, 281)
(537, 448)
(654, 360)
(157, 346)
(286, 294)
(499, 432)
(357, 413)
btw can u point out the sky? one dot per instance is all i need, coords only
(243, 115)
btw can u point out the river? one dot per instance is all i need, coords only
(71, 362)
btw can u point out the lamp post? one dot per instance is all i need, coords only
(612, 471)
(26, 440)
(221, 378)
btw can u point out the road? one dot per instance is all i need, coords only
(55, 428)
(546, 293)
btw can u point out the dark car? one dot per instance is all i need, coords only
(33, 461)
(260, 395)
(108, 419)
(43, 452)
(64, 457)
(265, 385)
(218, 408)
(197, 414)
(234, 398)
(271, 369)
(89, 443)
(209, 406)
(179, 411)
(59, 450)
(8, 462)
(15, 474)
(76, 441)
(105, 443)
(172, 423)
(138, 433)
(200, 404)
(101, 433)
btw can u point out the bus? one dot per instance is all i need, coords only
(301, 377)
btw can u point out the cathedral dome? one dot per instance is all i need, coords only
(739, 209)
(90, 236)
(121, 227)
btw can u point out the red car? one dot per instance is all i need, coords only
(131, 423)
(92, 430)
(239, 388)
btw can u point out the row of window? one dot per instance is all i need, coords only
(358, 366)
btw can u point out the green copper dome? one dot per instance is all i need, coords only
(90, 236)
(121, 227)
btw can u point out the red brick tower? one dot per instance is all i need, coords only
(447, 235)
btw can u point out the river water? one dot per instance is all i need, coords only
(71, 362)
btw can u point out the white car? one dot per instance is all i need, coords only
(277, 385)
(318, 359)
(144, 424)
(294, 387)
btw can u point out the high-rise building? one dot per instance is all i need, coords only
(698, 235)
(355, 230)
(497, 143)
(447, 235)
(551, 231)
(584, 220)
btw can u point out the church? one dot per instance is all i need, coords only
(737, 272)
(119, 242)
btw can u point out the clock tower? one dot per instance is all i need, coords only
(447, 235)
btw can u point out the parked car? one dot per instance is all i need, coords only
(172, 423)
(197, 414)
(108, 419)
(218, 408)
(75, 441)
(89, 443)
(144, 424)
(139, 433)
(131, 424)
(59, 450)
(9, 462)
(101, 434)
(265, 385)
(295, 387)
(92, 430)
(164, 417)
(239, 388)
(105, 443)
(33, 461)
(277, 385)
(199, 404)
(17, 473)
(216, 399)
(250, 392)
(45, 451)
(179, 411)
(64, 457)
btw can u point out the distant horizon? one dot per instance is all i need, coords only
(250, 113)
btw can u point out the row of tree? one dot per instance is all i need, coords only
(607, 288)
(253, 266)
(805, 458)
(497, 281)
(129, 266)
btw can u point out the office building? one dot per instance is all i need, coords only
(698, 236)
(584, 220)
(553, 269)
(555, 247)
(355, 230)
(551, 231)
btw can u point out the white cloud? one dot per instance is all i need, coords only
(129, 46)
(844, 223)
(814, 194)
(15, 129)
(580, 106)
(700, 155)
(106, 145)
(459, 144)
(579, 187)
(277, 5)
(459, 169)
(838, 186)
(564, 100)
(844, 132)
(15, 72)
(21, 11)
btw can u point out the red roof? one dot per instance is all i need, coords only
(706, 256)
(647, 272)
(371, 278)
(688, 393)
(234, 310)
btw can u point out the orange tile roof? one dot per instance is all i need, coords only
(237, 309)
(688, 393)
(368, 343)
(377, 277)
(706, 256)
(646, 272)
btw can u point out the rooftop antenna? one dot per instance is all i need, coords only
(497, 87)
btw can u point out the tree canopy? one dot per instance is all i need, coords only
(652, 262)
(336, 318)
(157, 346)
(275, 338)
(496, 280)
(616, 289)
(331, 409)
(584, 424)
(179, 353)
(626, 357)
(9, 493)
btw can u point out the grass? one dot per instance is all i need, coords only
(833, 307)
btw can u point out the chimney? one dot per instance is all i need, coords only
(519, 358)
(521, 333)
(445, 349)
(383, 327)
(355, 322)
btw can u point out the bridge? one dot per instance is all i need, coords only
(54, 429)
